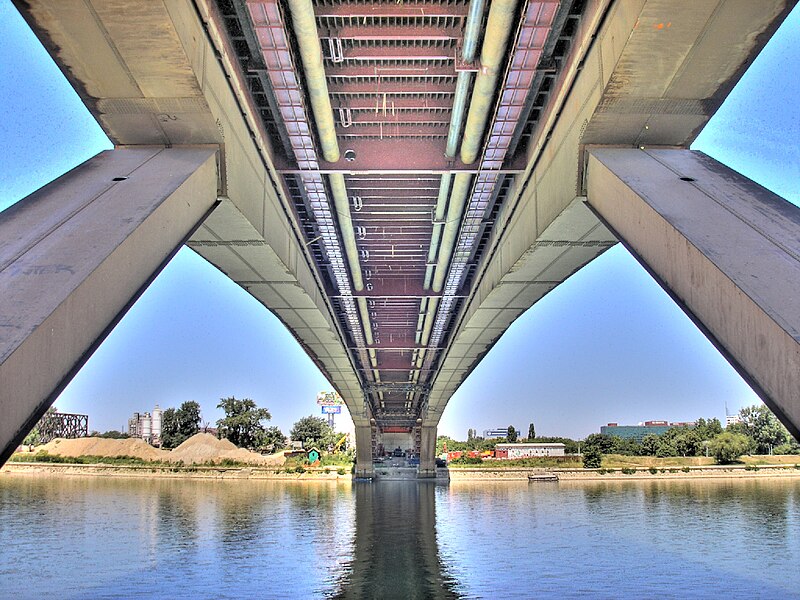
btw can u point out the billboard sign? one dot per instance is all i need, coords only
(331, 410)
(329, 399)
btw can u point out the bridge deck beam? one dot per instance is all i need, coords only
(726, 249)
(74, 257)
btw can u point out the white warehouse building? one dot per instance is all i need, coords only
(528, 450)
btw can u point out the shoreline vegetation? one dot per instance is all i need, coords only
(615, 467)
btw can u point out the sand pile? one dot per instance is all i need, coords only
(200, 448)
(92, 446)
(204, 447)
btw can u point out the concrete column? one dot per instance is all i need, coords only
(726, 249)
(427, 452)
(364, 464)
(76, 254)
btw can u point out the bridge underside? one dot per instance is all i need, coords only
(399, 182)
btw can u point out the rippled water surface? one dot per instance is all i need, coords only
(85, 537)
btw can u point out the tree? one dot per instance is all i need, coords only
(607, 444)
(274, 437)
(312, 431)
(531, 432)
(763, 427)
(727, 447)
(470, 434)
(650, 444)
(188, 416)
(592, 457)
(242, 422)
(32, 439)
(708, 429)
(34, 436)
(169, 429)
(178, 425)
(687, 442)
(112, 434)
(628, 447)
(666, 447)
(512, 434)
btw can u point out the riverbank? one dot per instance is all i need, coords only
(705, 471)
(455, 474)
(177, 472)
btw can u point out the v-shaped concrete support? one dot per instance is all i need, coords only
(75, 256)
(726, 249)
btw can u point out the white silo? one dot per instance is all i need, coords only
(147, 426)
(157, 422)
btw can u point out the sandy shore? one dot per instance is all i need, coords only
(456, 474)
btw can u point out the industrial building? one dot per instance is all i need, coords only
(532, 450)
(637, 432)
(146, 426)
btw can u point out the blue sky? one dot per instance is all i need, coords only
(607, 345)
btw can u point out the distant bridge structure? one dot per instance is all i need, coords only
(62, 425)
(397, 182)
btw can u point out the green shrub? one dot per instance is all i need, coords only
(299, 469)
(592, 458)
(685, 469)
(341, 471)
(628, 470)
(653, 470)
(727, 447)
(467, 460)
(751, 468)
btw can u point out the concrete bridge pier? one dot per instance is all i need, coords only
(364, 464)
(726, 249)
(427, 452)
(74, 257)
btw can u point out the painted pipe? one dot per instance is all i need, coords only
(461, 187)
(438, 216)
(468, 48)
(499, 26)
(471, 30)
(420, 322)
(457, 114)
(430, 317)
(433, 304)
(364, 312)
(305, 30)
(342, 204)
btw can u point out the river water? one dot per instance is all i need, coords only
(92, 537)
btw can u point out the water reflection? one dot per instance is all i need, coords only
(121, 538)
(396, 553)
